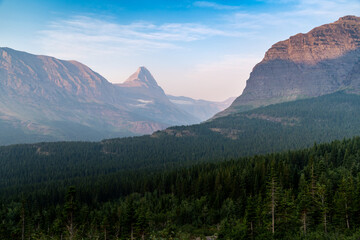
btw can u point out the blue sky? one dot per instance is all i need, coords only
(200, 49)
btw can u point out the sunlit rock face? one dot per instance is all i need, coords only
(322, 61)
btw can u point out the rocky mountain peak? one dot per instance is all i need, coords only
(328, 41)
(141, 78)
(349, 18)
(322, 61)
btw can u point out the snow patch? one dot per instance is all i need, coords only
(145, 101)
(184, 102)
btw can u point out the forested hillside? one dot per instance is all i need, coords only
(116, 179)
(280, 127)
(304, 194)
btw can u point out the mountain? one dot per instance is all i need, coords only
(148, 94)
(46, 99)
(144, 97)
(142, 78)
(201, 109)
(322, 61)
(142, 176)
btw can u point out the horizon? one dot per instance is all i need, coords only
(198, 49)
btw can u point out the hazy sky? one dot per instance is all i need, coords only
(200, 49)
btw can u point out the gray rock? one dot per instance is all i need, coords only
(322, 61)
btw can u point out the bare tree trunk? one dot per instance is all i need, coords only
(132, 233)
(70, 227)
(347, 216)
(273, 205)
(304, 222)
(312, 182)
(104, 233)
(252, 230)
(325, 213)
(325, 221)
(23, 223)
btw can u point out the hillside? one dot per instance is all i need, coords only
(202, 109)
(46, 99)
(306, 194)
(278, 127)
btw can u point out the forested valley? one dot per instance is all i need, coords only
(312, 193)
(281, 162)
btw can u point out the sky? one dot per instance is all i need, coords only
(199, 49)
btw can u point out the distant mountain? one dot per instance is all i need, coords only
(144, 97)
(201, 109)
(46, 99)
(322, 61)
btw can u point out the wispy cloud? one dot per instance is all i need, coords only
(301, 12)
(299, 16)
(83, 35)
(86, 34)
(226, 65)
(214, 5)
(327, 7)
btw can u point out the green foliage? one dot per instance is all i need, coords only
(315, 194)
(184, 183)
(111, 165)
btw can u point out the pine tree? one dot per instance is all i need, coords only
(343, 200)
(250, 214)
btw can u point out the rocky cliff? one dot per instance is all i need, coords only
(322, 61)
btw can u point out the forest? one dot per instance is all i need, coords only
(275, 128)
(250, 175)
(312, 193)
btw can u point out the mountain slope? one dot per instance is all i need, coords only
(278, 127)
(143, 96)
(322, 61)
(201, 109)
(46, 99)
(40, 94)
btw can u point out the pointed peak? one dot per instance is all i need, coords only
(141, 78)
(142, 69)
(349, 18)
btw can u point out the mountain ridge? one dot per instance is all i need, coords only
(47, 99)
(322, 61)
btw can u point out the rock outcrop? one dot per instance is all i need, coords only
(322, 61)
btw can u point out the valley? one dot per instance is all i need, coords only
(280, 162)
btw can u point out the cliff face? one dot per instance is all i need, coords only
(322, 43)
(322, 61)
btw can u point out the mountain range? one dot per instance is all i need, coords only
(188, 181)
(46, 99)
